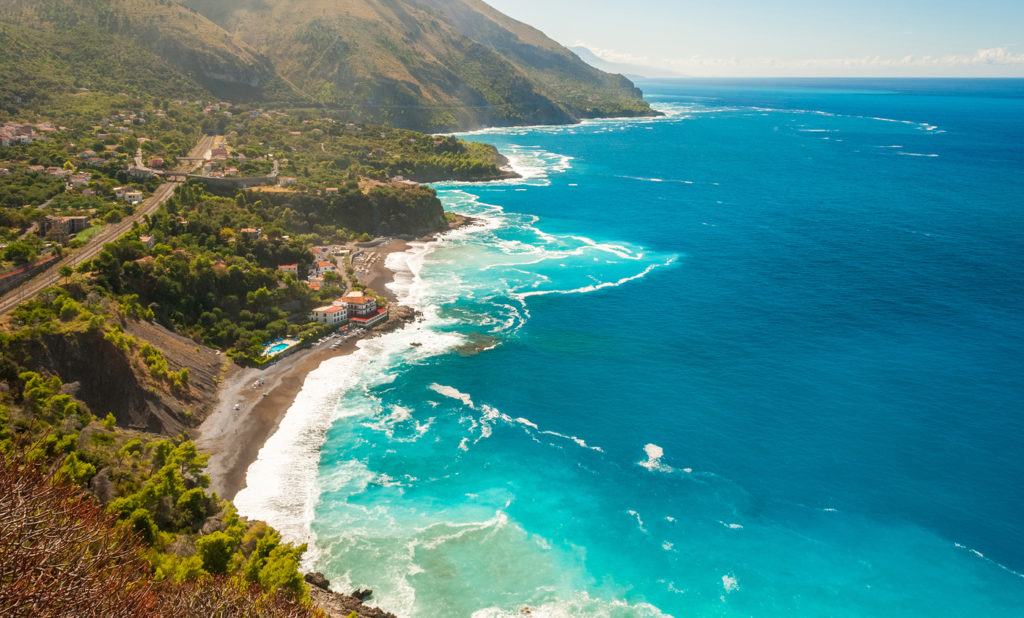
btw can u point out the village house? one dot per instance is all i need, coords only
(139, 172)
(133, 197)
(289, 268)
(80, 180)
(331, 191)
(331, 315)
(12, 134)
(250, 233)
(147, 241)
(360, 305)
(286, 181)
(35, 169)
(219, 154)
(120, 191)
(320, 268)
(156, 163)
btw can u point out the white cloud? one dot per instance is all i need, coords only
(996, 60)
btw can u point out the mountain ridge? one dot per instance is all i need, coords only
(428, 64)
(432, 65)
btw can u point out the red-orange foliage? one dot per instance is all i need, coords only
(62, 555)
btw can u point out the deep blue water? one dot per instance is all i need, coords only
(763, 356)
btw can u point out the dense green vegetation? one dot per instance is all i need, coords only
(155, 486)
(205, 279)
(324, 152)
(62, 554)
(140, 47)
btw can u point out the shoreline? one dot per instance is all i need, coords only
(247, 413)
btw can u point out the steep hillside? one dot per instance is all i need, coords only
(428, 64)
(145, 47)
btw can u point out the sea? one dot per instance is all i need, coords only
(760, 356)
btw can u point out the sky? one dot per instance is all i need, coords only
(795, 38)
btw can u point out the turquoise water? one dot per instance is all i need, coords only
(278, 348)
(761, 356)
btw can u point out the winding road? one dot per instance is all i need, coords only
(110, 233)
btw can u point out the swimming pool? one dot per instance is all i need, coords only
(277, 348)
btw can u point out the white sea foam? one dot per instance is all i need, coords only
(980, 555)
(654, 455)
(916, 154)
(601, 286)
(729, 583)
(580, 605)
(400, 416)
(490, 414)
(453, 393)
(732, 526)
(639, 521)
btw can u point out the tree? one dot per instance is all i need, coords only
(216, 550)
(65, 271)
(20, 253)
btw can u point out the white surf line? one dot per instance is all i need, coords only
(594, 288)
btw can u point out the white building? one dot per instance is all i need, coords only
(320, 268)
(331, 315)
(360, 305)
(133, 197)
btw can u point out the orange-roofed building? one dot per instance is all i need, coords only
(331, 315)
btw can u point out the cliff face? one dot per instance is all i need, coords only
(108, 380)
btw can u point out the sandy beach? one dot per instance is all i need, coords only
(249, 412)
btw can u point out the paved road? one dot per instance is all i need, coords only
(93, 248)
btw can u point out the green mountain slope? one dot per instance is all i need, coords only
(429, 64)
(151, 47)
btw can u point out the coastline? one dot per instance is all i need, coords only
(234, 436)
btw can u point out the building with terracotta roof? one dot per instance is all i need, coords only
(320, 268)
(332, 315)
(360, 305)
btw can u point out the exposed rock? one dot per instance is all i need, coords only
(362, 595)
(318, 580)
(213, 524)
(341, 606)
(102, 487)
